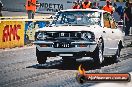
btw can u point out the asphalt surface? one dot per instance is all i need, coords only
(19, 68)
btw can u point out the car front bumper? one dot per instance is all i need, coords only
(89, 47)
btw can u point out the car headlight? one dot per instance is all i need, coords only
(87, 36)
(41, 36)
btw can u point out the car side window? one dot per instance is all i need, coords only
(112, 22)
(106, 20)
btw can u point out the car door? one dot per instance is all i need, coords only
(107, 34)
(116, 33)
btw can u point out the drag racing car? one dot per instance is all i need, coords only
(77, 33)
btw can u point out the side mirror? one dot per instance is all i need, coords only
(120, 25)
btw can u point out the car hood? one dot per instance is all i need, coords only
(69, 28)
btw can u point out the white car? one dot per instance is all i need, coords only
(77, 33)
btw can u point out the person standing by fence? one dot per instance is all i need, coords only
(76, 5)
(86, 4)
(1, 6)
(131, 15)
(127, 18)
(108, 7)
(31, 8)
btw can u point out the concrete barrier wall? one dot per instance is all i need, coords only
(17, 33)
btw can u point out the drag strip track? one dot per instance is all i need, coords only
(19, 68)
(31, 78)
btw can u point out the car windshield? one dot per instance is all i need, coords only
(78, 18)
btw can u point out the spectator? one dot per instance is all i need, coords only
(86, 4)
(127, 17)
(76, 5)
(115, 6)
(108, 7)
(131, 13)
(116, 15)
(95, 5)
(120, 11)
(1, 6)
(80, 4)
(31, 8)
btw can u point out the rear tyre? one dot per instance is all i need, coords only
(98, 53)
(117, 55)
(41, 56)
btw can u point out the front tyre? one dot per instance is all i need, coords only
(41, 56)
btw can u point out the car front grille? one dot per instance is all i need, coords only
(63, 35)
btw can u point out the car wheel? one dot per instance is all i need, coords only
(98, 53)
(41, 57)
(117, 55)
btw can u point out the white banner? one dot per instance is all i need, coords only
(52, 6)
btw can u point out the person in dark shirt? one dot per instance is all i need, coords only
(95, 5)
(127, 17)
(120, 11)
(1, 6)
(131, 14)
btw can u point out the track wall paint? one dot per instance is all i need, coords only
(30, 27)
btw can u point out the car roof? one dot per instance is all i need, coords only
(98, 10)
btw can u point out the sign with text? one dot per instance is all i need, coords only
(52, 6)
(11, 34)
(83, 77)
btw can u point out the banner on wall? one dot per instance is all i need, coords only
(30, 27)
(11, 34)
(52, 6)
